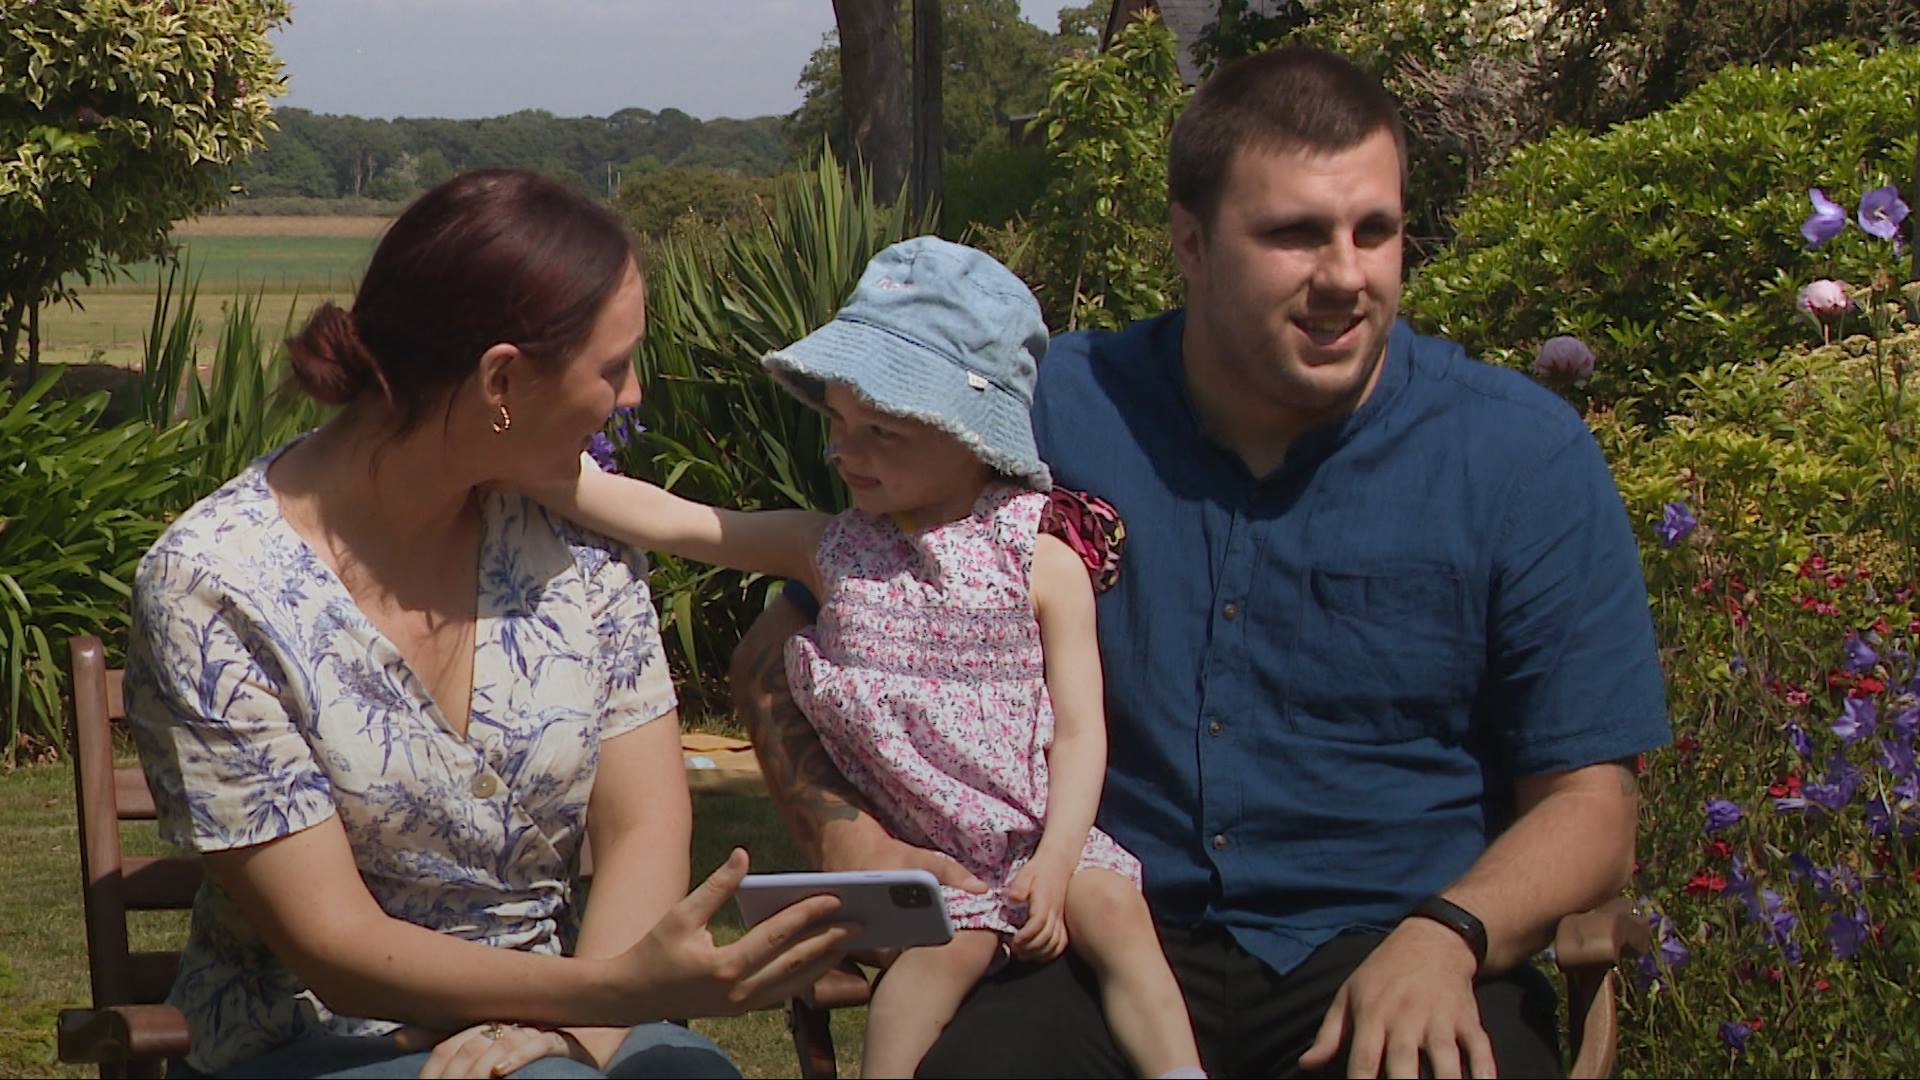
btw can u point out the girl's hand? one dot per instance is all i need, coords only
(489, 1050)
(679, 971)
(1042, 886)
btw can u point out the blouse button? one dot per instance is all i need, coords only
(484, 786)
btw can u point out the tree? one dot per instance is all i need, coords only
(997, 66)
(873, 84)
(118, 118)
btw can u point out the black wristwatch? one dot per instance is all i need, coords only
(1457, 919)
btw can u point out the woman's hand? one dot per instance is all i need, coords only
(1042, 886)
(679, 969)
(489, 1050)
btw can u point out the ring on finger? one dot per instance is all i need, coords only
(493, 1031)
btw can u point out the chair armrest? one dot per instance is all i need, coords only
(1587, 947)
(121, 1033)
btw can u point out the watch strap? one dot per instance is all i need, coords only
(1459, 920)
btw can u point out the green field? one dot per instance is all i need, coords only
(290, 272)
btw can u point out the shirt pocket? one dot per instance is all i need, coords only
(1385, 654)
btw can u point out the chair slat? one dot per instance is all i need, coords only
(116, 694)
(160, 884)
(153, 974)
(133, 801)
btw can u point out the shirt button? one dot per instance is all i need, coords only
(1219, 841)
(1215, 727)
(1231, 611)
(485, 785)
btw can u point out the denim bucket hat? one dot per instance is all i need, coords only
(936, 332)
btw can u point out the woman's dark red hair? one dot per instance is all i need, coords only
(489, 257)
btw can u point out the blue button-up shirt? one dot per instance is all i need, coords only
(1321, 683)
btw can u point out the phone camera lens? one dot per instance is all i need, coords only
(911, 896)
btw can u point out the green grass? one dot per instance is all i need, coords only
(43, 956)
(294, 273)
(278, 264)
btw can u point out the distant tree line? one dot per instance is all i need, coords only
(317, 155)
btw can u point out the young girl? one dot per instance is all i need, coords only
(953, 674)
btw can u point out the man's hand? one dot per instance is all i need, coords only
(1413, 995)
(1042, 886)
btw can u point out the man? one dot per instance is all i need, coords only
(1379, 651)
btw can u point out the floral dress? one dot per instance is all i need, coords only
(925, 679)
(264, 702)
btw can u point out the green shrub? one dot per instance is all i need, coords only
(1671, 243)
(721, 431)
(245, 404)
(79, 505)
(992, 186)
(1788, 615)
(1095, 249)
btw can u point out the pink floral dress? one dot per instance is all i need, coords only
(925, 679)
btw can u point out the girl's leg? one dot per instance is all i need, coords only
(917, 998)
(1109, 926)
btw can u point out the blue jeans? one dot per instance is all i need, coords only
(650, 1051)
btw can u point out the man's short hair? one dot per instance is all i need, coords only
(1287, 100)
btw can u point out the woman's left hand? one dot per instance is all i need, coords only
(489, 1050)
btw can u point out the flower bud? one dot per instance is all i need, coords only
(1564, 357)
(1824, 298)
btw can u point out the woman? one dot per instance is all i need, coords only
(388, 702)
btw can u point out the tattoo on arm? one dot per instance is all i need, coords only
(806, 787)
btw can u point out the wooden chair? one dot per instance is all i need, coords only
(129, 1031)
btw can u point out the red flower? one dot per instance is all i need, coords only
(1684, 746)
(1705, 883)
(1867, 687)
(1821, 985)
(1786, 787)
(1880, 624)
(1916, 875)
(1838, 680)
(1834, 581)
(1720, 849)
(1772, 973)
(1705, 585)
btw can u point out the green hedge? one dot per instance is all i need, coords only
(1672, 243)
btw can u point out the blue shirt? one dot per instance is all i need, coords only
(1322, 683)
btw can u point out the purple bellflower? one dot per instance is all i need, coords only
(1735, 1035)
(1881, 212)
(1825, 222)
(1846, 933)
(1721, 814)
(1676, 521)
(1856, 720)
(1860, 656)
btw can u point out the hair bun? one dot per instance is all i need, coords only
(329, 360)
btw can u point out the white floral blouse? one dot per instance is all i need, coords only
(263, 701)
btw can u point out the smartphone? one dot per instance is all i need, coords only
(896, 909)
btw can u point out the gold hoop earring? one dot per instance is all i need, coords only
(505, 422)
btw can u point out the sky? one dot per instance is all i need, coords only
(467, 58)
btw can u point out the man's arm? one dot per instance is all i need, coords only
(823, 813)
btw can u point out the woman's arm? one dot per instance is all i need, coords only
(303, 895)
(643, 515)
(640, 819)
(1077, 763)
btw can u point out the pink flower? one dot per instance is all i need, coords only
(1564, 357)
(1824, 297)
